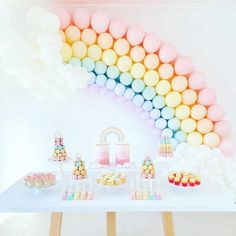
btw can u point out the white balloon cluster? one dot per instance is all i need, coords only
(36, 60)
(210, 164)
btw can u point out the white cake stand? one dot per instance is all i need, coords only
(60, 164)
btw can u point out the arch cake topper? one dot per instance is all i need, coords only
(149, 73)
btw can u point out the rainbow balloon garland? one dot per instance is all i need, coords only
(149, 73)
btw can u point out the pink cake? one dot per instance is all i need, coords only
(102, 153)
(122, 154)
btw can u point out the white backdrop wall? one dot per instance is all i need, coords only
(205, 31)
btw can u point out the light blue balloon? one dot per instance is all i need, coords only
(75, 61)
(167, 112)
(88, 63)
(167, 132)
(113, 72)
(126, 78)
(174, 123)
(100, 68)
(174, 143)
(180, 136)
(92, 78)
(138, 100)
(161, 123)
(129, 94)
(138, 85)
(149, 93)
(101, 80)
(155, 114)
(119, 89)
(110, 84)
(158, 102)
(147, 106)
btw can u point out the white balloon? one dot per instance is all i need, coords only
(33, 16)
(50, 22)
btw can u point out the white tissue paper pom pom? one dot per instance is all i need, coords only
(34, 15)
(50, 22)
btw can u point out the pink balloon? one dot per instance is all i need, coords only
(183, 65)
(207, 96)
(63, 16)
(81, 18)
(117, 28)
(215, 112)
(197, 80)
(135, 35)
(227, 147)
(151, 43)
(167, 53)
(222, 128)
(100, 22)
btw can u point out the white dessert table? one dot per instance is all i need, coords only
(20, 199)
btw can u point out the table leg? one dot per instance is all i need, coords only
(55, 226)
(111, 224)
(168, 224)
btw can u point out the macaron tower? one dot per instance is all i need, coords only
(166, 148)
(148, 169)
(59, 153)
(79, 170)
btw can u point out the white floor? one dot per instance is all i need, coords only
(129, 224)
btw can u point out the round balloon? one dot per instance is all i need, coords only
(211, 139)
(173, 99)
(194, 138)
(188, 125)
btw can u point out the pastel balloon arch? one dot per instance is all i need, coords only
(141, 68)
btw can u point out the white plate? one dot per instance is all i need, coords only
(60, 162)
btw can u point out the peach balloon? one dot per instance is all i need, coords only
(197, 80)
(81, 18)
(227, 147)
(215, 112)
(204, 126)
(151, 43)
(183, 65)
(105, 41)
(194, 138)
(72, 34)
(135, 35)
(117, 28)
(166, 71)
(151, 61)
(121, 47)
(211, 139)
(198, 112)
(179, 83)
(207, 96)
(64, 17)
(189, 97)
(100, 22)
(89, 36)
(222, 128)
(137, 54)
(167, 53)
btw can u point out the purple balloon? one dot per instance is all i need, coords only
(138, 109)
(121, 99)
(145, 115)
(110, 94)
(103, 90)
(157, 133)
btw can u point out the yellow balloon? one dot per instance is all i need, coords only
(124, 63)
(179, 83)
(79, 49)
(173, 99)
(182, 112)
(151, 78)
(62, 35)
(66, 52)
(72, 34)
(95, 52)
(194, 138)
(109, 57)
(188, 125)
(211, 139)
(163, 87)
(198, 112)
(137, 70)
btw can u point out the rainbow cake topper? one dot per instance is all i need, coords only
(147, 72)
